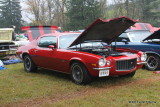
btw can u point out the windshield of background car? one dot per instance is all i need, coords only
(138, 36)
(66, 40)
(122, 37)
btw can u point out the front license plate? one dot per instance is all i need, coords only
(103, 73)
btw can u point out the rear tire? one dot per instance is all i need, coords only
(129, 75)
(79, 74)
(29, 66)
(153, 62)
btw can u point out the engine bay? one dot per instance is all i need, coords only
(99, 48)
(104, 51)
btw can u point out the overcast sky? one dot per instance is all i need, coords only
(25, 15)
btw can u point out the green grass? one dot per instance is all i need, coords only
(118, 96)
(17, 86)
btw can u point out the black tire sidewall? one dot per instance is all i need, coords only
(32, 67)
(86, 76)
(157, 60)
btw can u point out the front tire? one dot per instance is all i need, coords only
(153, 62)
(29, 66)
(79, 74)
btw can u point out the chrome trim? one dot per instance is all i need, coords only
(105, 68)
(12, 49)
(7, 50)
(126, 70)
(126, 59)
(4, 50)
(141, 63)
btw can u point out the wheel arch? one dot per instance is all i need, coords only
(24, 55)
(79, 60)
(153, 53)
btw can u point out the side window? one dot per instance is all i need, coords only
(122, 37)
(46, 41)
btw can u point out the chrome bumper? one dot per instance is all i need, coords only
(140, 63)
(105, 68)
(7, 52)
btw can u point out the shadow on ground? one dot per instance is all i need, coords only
(53, 73)
(96, 82)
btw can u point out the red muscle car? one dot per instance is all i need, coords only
(84, 55)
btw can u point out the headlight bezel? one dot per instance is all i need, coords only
(108, 62)
(102, 62)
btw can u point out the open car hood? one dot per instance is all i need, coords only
(34, 31)
(155, 35)
(105, 30)
(6, 34)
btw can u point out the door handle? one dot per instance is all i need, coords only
(35, 51)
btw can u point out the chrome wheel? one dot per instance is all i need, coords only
(27, 63)
(80, 74)
(77, 73)
(152, 62)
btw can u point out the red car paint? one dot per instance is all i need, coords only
(60, 59)
(38, 30)
(144, 26)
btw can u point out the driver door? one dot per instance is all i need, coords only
(45, 55)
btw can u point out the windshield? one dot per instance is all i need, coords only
(138, 36)
(66, 40)
(90, 44)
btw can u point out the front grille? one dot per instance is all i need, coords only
(123, 65)
(4, 47)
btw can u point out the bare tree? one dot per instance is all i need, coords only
(128, 8)
(47, 12)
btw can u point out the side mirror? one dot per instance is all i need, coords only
(51, 47)
(125, 41)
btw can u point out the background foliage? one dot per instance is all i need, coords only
(10, 14)
(77, 14)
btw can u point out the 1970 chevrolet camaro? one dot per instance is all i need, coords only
(84, 55)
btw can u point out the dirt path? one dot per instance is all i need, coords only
(83, 93)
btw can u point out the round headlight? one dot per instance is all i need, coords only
(144, 57)
(102, 62)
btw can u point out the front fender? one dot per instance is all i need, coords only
(78, 59)
(150, 52)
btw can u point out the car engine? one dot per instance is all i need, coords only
(105, 52)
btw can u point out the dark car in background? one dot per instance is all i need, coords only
(133, 36)
(145, 41)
